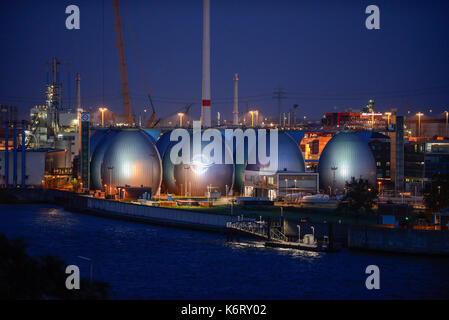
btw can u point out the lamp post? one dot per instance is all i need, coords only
(446, 122)
(153, 156)
(379, 184)
(313, 232)
(180, 115)
(286, 187)
(110, 179)
(299, 232)
(102, 110)
(334, 169)
(419, 114)
(186, 167)
(388, 117)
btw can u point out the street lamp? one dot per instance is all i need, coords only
(186, 167)
(299, 232)
(419, 114)
(110, 179)
(388, 117)
(180, 115)
(286, 187)
(152, 179)
(313, 232)
(446, 123)
(102, 110)
(379, 184)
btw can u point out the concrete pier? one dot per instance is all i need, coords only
(399, 240)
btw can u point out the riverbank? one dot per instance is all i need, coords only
(143, 261)
(357, 236)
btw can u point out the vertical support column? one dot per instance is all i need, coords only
(69, 88)
(236, 100)
(84, 156)
(6, 154)
(14, 172)
(23, 155)
(399, 172)
(205, 102)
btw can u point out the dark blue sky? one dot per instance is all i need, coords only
(319, 51)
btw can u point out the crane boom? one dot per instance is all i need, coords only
(122, 63)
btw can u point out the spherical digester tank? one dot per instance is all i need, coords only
(199, 175)
(290, 157)
(345, 156)
(132, 159)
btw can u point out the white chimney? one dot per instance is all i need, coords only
(205, 102)
(236, 100)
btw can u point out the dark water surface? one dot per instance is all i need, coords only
(148, 262)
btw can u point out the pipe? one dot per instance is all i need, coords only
(14, 150)
(23, 154)
(236, 100)
(205, 102)
(6, 154)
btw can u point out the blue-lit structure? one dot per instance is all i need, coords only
(290, 157)
(346, 155)
(115, 150)
(200, 176)
(125, 157)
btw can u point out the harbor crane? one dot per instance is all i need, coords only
(122, 63)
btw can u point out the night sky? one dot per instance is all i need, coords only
(319, 52)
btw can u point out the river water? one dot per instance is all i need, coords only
(149, 262)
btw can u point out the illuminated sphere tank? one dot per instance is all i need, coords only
(131, 159)
(97, 156)
(290, 157)
(350, 156)
(168, 177)
(200, 174)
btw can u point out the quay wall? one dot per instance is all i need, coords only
(121, 210)
(399, 240)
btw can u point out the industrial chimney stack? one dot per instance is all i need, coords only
(78, 92)
(205, 102)
(236, 100)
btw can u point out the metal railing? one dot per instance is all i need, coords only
(259, 228)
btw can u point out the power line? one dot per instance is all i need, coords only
(279, 94)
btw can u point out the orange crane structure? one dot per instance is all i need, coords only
(122, 63)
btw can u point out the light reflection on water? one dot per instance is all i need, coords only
(149, 262)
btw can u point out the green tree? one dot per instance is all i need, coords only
(360, 195)
(26, 278)
(436, 192)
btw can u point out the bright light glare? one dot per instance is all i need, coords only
(200, 164)
(126, 170)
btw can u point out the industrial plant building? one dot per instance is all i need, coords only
(101, 152)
